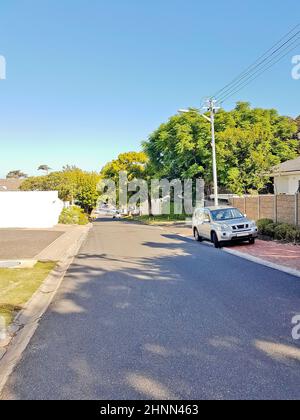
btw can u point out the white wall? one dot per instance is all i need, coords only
(32, 209)
(287, 184)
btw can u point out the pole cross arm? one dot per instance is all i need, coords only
(187, 111)
(206, 117)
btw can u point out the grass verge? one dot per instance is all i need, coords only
(18, 285)
(163, 219)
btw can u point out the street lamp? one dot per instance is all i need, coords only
(211, 107)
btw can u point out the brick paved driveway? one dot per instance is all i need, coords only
(283, 254)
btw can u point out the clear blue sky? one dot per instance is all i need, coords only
(88, 79)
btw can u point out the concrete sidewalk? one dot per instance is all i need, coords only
(18, 244)
(59, 249)
(38, 244)
(63, 250)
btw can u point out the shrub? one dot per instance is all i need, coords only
(293, 235)
(270, 230)
(282, 230)
(73, 216)
(279, 231)
(262, 225)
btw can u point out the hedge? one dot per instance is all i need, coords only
(279, 231)
(73, 216)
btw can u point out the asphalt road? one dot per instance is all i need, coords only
(147, 315)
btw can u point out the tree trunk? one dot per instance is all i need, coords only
(150, 204)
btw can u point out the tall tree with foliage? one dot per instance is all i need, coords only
(16, 174)
(44, 168)
(297, 121)
(87, 193)
(135, 164)
(72, 184)
(249, 142)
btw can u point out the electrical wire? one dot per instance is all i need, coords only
(262, 71)
(260, 63)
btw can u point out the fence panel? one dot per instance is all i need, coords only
(280, 208)
(286, 209)
(252, 207)
(267, 207)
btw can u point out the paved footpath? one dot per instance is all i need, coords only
(287, 255)
(145, 314)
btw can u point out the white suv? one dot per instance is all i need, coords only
(223, 224)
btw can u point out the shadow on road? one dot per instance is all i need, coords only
(184, 321)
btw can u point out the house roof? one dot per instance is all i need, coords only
(10, 184)
(289, 166)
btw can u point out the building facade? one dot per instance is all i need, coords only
(287, 177)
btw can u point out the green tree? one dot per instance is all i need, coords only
(135, 164)
(87, 193)
(72, 184)
(52, 182)
(297, 121)
(249, 142)
(16, 174)
(44, 168)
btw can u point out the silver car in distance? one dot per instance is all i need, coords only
(223, 224)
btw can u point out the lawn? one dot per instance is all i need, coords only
(163, 219)
(18, 285)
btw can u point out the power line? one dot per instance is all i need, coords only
(259, 66)
(259, 62)
(228, 91)
(230, 94)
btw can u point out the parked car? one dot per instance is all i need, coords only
(223, 224)
(117, 215)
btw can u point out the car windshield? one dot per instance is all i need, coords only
(226, 214)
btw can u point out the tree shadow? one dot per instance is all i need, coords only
(182, 322)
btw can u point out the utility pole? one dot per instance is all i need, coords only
(211, 106)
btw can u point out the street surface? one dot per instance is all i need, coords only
(145, 314)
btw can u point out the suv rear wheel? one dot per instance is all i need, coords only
(197, 236)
